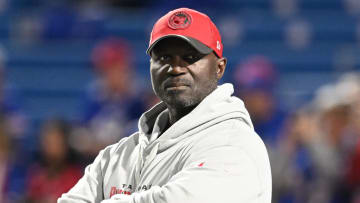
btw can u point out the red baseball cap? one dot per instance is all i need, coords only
(190, 25)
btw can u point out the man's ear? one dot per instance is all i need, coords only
(221, 65)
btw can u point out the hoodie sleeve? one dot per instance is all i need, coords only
(89, 188)
(223, 174)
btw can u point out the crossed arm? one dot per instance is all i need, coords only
(228, 174)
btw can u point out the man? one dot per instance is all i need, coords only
(197, 145)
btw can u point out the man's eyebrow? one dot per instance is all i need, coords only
(159, 51)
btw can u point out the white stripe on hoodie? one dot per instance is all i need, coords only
(211, 155)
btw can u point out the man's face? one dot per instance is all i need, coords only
(180, 75)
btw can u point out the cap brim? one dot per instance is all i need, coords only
(200, 47)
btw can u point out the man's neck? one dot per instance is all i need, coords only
(176, 114)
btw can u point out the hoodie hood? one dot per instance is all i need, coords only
(218, 106)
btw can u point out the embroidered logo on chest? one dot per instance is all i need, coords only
(127, 189)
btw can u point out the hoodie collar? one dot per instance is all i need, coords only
(218, 106)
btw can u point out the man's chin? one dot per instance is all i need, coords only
(179, 100)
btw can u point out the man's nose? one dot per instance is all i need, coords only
(177, 66)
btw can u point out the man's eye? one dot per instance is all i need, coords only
(164, 58)
(191, 58)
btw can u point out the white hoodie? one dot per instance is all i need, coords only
(211, 155)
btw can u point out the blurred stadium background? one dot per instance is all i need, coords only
(294, 62)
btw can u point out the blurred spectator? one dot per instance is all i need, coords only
(5, 159)
(112, 102)
(318, 157)
(255, 81)
(352, 178)
(12, 168)
(55, 173)
(13, 164)
(305, 166)
(349, 89)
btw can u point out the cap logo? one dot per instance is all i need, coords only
(179, 20)
(218, 46)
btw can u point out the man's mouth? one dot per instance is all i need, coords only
(176, 86)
